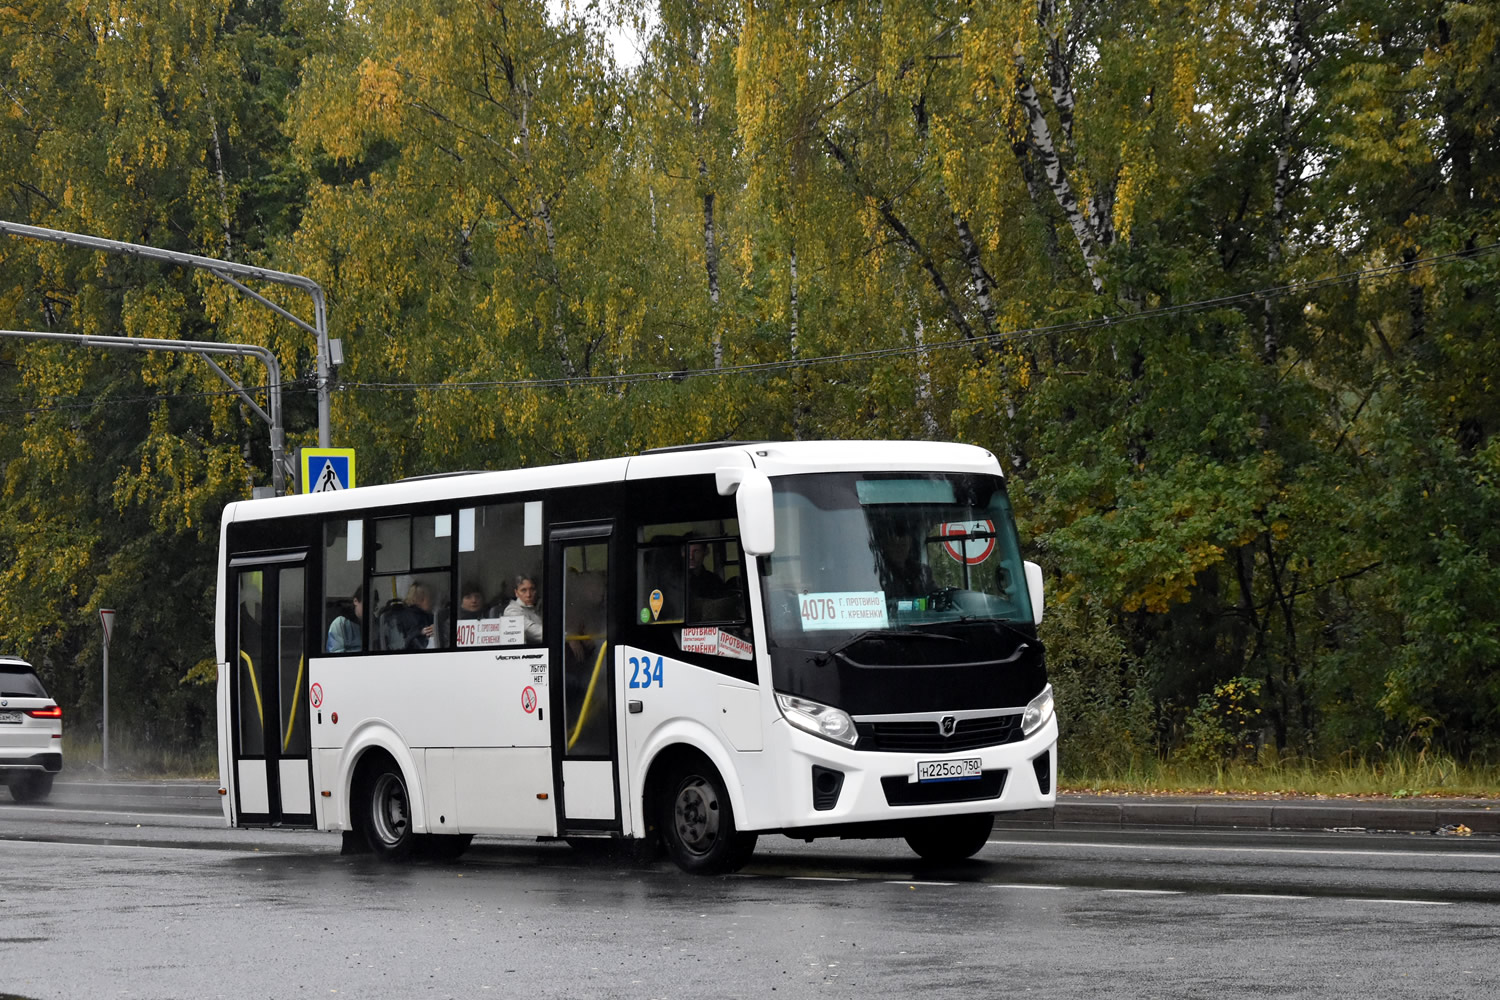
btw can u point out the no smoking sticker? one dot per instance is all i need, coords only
(528, 699)
(316, 695)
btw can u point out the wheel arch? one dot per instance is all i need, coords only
(670, 745)
(367, 743)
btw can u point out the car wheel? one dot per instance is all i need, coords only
(388, 816)
(950, 838)
(697, 822)
(32, 787)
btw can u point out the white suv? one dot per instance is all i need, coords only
(30, 732)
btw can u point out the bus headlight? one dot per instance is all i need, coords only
(818, 719)
(1038, 712)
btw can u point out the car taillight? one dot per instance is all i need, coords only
(51, 712)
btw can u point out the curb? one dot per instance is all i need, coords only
(1417, 815)
(138, 796)
(1409, 816)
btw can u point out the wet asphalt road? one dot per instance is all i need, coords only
(99, 904)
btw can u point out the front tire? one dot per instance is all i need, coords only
(697, 822)
(949, 839)
(388, 815)
(32, 787)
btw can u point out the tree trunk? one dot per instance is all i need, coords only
(1057, 178)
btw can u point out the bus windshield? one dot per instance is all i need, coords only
(889, 553)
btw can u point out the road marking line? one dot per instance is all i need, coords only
(1258, 895)
(1023, 885)
(903, 881)
(95, 845)
(1413, 902)
(816, 878)
(1465, 855)
(1147, 892)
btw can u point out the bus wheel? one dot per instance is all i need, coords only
(388, 826)
(950, 838)
(697, 822)
(33, 786)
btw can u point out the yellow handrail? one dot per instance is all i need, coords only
(254, 686)
(588, 696)
(291, 724)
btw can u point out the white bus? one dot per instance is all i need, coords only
(688, 647)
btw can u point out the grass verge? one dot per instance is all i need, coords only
(83, 757)
(1396, 776)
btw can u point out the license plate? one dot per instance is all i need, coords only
(11, 717)
(949, 770)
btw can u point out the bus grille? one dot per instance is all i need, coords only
(899, 791)
(924, 737)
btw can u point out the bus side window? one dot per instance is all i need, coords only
(345, 611)
(690, 590)
(411, 589)
(499, 547)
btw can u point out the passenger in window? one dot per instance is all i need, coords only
(703, 583)
(712, 598)
(902, 571)
(471, 604)
(524, 606)
(346, 635)
(408, 625)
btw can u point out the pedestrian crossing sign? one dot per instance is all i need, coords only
(325, 469)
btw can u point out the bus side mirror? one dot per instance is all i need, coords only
(753, 504)
(1034, 586)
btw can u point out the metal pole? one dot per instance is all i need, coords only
(106, 704)
(221, 269)
(106, 618)
(204, 347)
(320, 318)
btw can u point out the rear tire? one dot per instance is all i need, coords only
(697, 822)
(32, 787)
(388, 814)
(948, 839)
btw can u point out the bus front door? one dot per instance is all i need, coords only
(271, 746)
(583, 679)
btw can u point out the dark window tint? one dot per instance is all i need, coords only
(20, 683)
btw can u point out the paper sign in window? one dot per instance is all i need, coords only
(847, 609)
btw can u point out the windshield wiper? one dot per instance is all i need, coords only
(977, 620)
(880, 633)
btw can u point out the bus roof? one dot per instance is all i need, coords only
(774, 458)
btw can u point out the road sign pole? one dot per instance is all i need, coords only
(107, 619)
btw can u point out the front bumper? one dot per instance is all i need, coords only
(881, 787)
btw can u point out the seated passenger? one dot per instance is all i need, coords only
(408, 625)
(712, 598)
(345, 634)
(902, 571)
(525, 607)
(471, 604)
